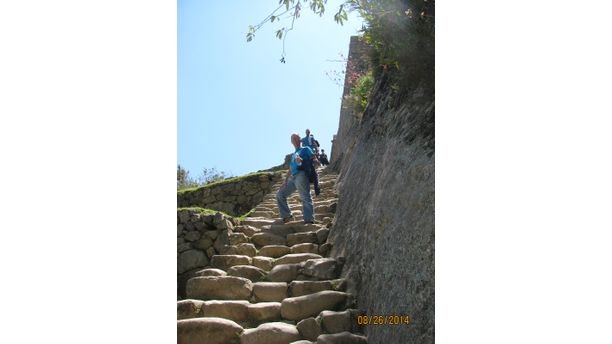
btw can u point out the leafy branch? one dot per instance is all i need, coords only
(294, 8)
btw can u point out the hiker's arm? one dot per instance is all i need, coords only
(315, 160)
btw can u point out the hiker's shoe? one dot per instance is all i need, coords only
(288, 219)
(309, 222)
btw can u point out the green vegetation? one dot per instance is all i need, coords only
(401, 33)
(223, 181)
(207, 176)
(203, 211)
(360, 92)
(244, 216)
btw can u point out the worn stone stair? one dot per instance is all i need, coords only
(274, 283)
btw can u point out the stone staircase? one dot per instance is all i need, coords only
(273, 284)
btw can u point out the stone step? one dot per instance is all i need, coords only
(210, 272)
(219, 287)
(267, 214)
(250, 272)
(305, 248)
(309, 328)
(225, 261)
(264, 311)
(283, 273)
(247, 230)
(264, 263)
(227, 309)
(242, 312)
(246, 249)
(208, 330)
(322, 268)
(304, 266)
(341, 338)
(266, 238)
(294, 258)
(301, 288)
(271, 333)
(292, 227)
(238, 238)
(270, 291)
(301, 238)
(337, 322)
(302, 307)
(274, 251)
(299, 218)
(256, 222)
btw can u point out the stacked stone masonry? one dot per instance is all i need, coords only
(258, 281)
(233, 197)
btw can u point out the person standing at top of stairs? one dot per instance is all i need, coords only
(297, 180)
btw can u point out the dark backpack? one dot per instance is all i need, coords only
(308, 167)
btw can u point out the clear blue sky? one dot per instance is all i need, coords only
(237, 104)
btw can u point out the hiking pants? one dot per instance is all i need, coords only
(300, 183)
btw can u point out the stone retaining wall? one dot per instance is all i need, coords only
(199, 237)
(235, 196)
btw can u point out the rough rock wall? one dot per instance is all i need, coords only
(199, 237)
(384, 224)
(234, 197)
(357, 63)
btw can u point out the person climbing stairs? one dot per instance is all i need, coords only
(274, 283)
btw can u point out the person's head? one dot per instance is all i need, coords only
(295, 140)
(307, 132)
(322, 150)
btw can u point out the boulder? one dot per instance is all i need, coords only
(322, 235)
(238, 238)
(295, 258)
(270, 291)
(232, 310)
(324, 249)
(224, 262)
(222, 241)
(192, 236)
(248, 230)
(270, 333)
(242, 249)
(186, 309)
(264, 239)
(300, 238)
(264, 263)
(264, 311)
(335, 322)
(322, 268)
(274, 251)
(253, 273)
(309, 328)
(208, 330)
(305, 248)
(203, 243)
(283, 273)
(212, 234)
(302, 307)
(341, 338)
(191, 259)
(183, 247)
(300, 288)
(210, 272)
(219, 287)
